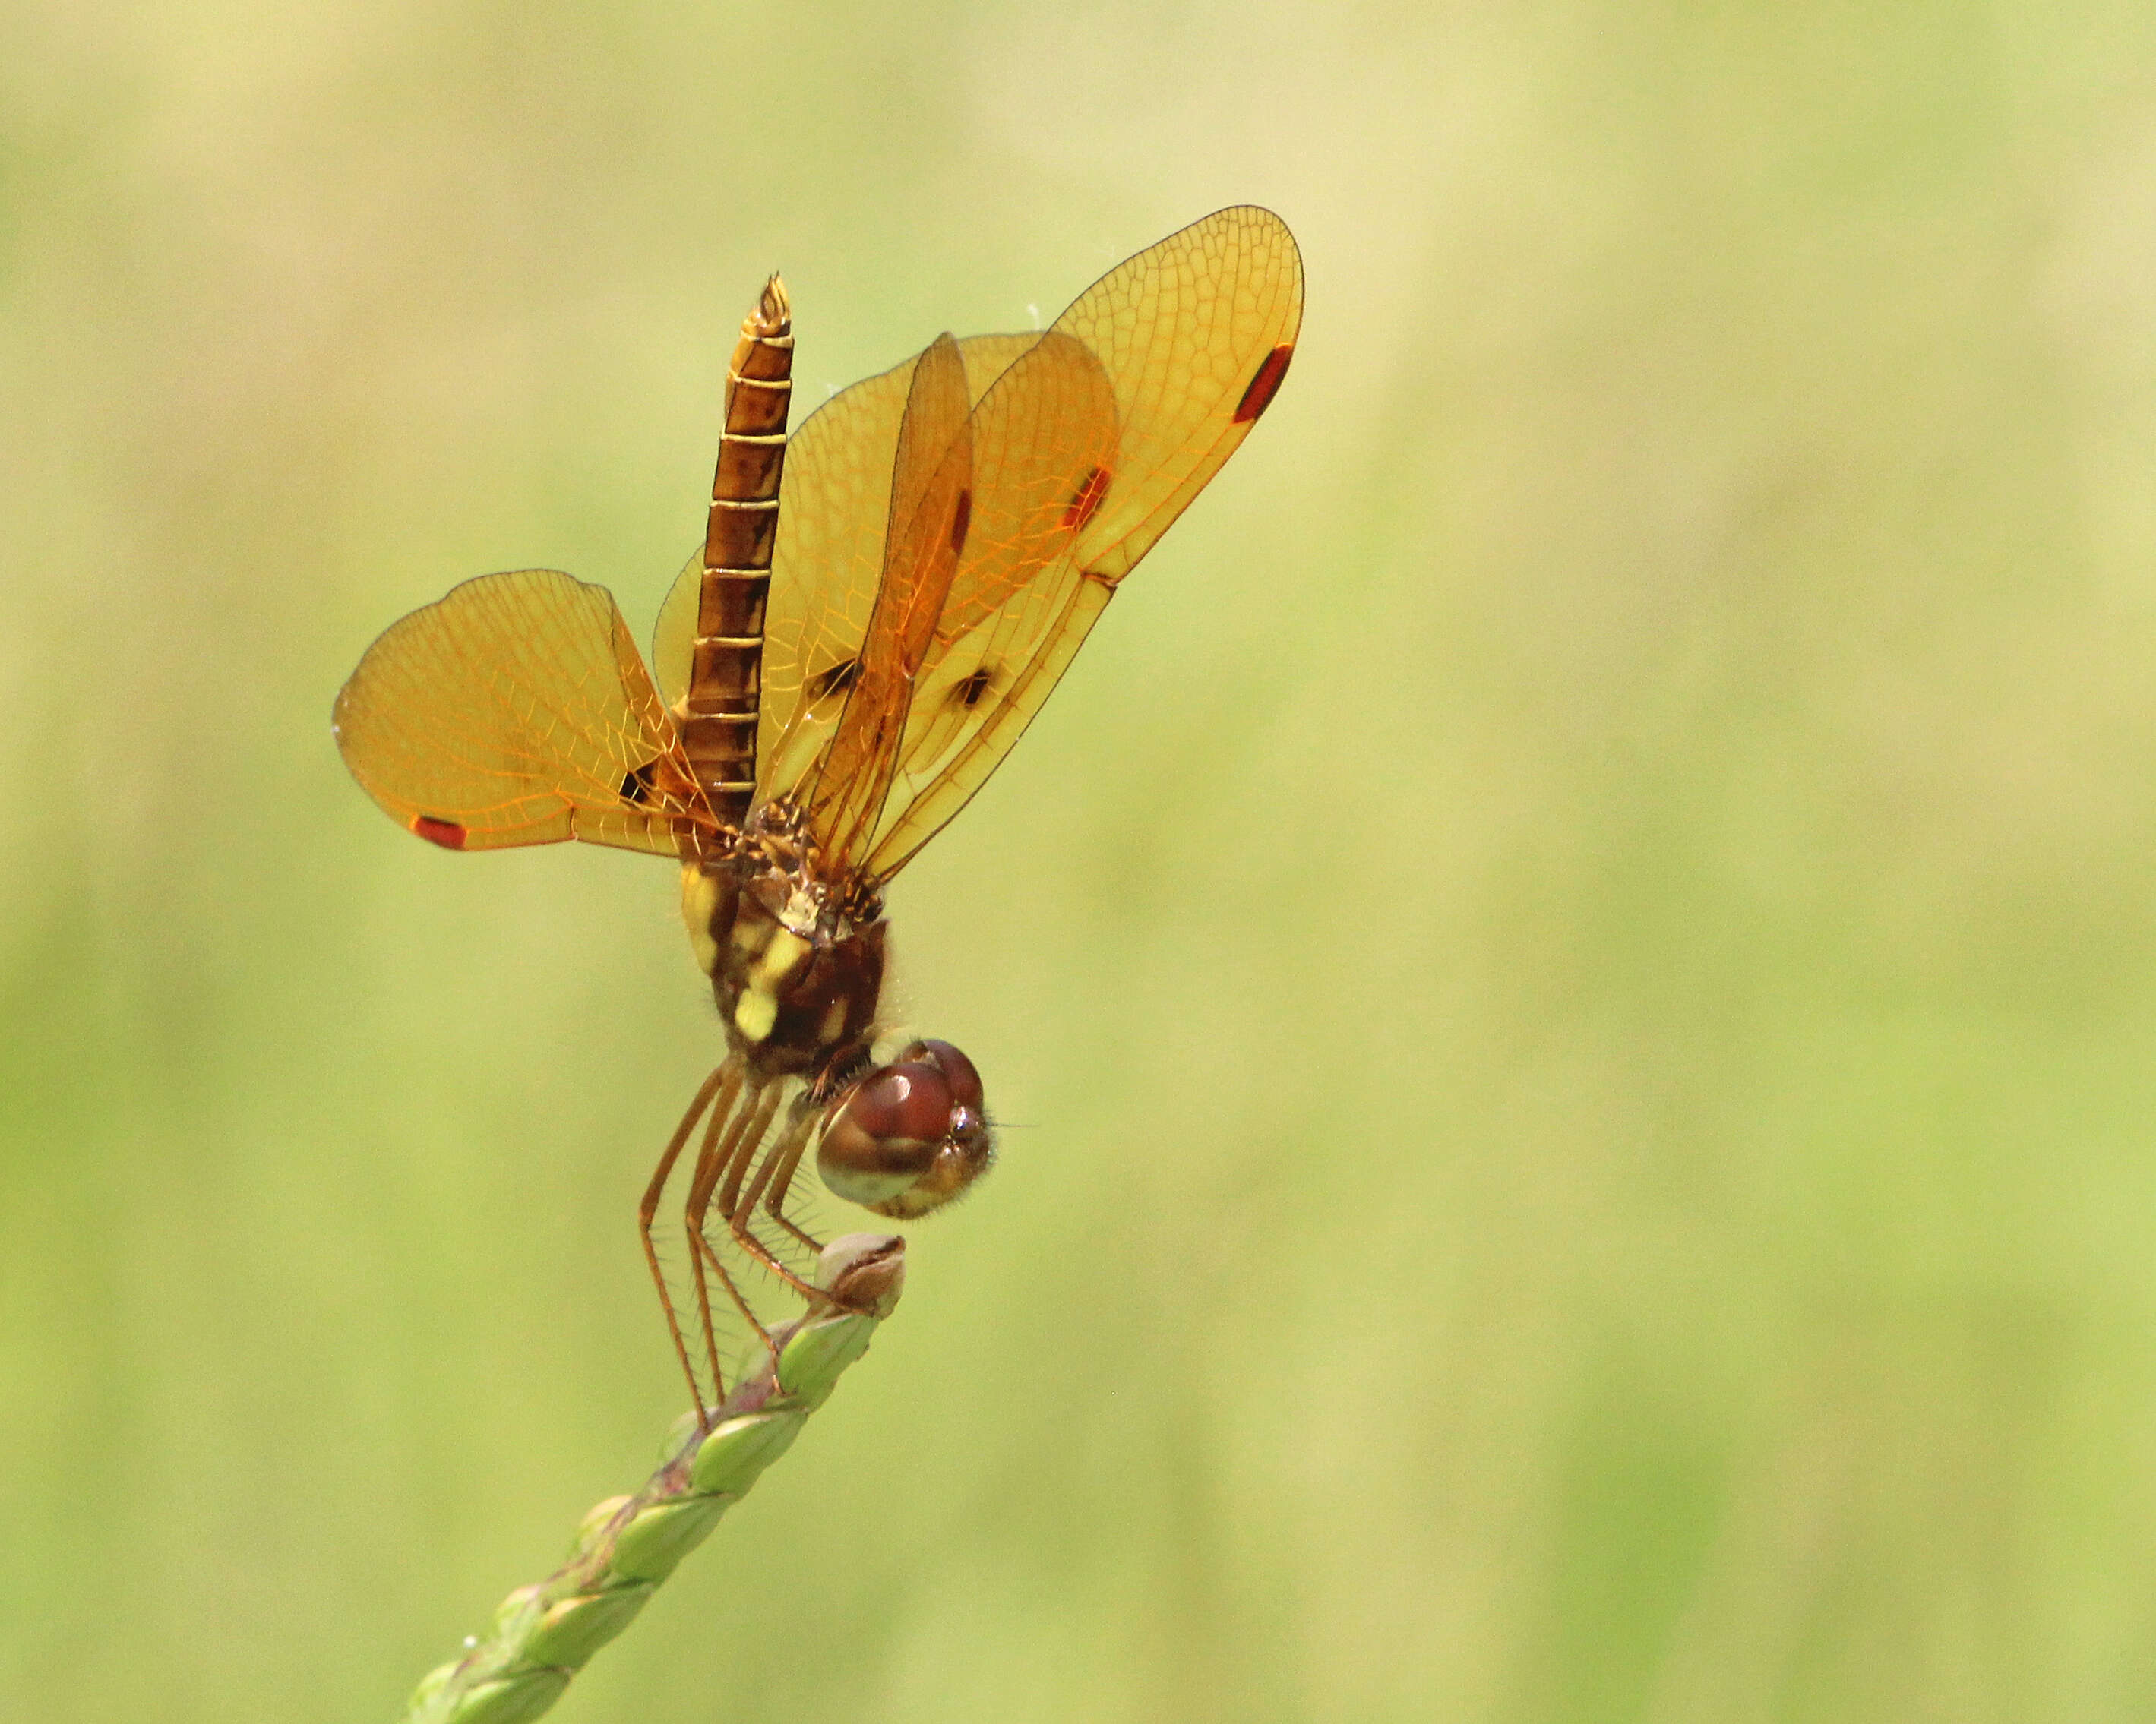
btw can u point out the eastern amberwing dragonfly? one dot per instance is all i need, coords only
(850, 653)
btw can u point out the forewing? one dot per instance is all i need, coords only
(1042, 435)
(515, 711)
(1196, 333)
(1193, 337)
(929, 527)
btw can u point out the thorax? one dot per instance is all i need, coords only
(796, 960)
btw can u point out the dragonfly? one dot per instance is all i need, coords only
(882, 601)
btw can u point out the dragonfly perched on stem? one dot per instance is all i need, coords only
(881, 603)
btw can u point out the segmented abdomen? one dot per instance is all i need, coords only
(719, 711)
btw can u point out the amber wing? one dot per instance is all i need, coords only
(929, 535)
(515, 711)
(1087, 441)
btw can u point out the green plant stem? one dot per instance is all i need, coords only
(545, 1633)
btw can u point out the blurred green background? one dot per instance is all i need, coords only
(1569, 973)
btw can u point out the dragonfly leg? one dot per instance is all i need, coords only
(708, 1259)
(738, 1155)
(707, 1152)
(785, 1152)
(647, 1211)
(722, 1138)
(727, 1157)
(782, 1180)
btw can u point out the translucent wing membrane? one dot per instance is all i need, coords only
(930, 530)
(1082, 445)
(1043, 435)
(1196, 333)
(515, 711)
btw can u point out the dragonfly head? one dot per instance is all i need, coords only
(906, 1138)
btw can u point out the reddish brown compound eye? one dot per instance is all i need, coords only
(881, 1136)
(958, 1071)
(908, 1137)
(907, 1103)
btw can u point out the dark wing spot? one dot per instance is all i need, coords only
(446, 833)
(1086, 501)
(961, 518)
(968, 689)
(836, 680)
(1266, 384)
(636, 787)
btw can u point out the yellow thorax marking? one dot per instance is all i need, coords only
(758, 1009)
(700, 897)
(754, 1014)
(778, 959)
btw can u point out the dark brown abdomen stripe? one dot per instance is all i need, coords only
(726, 674)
